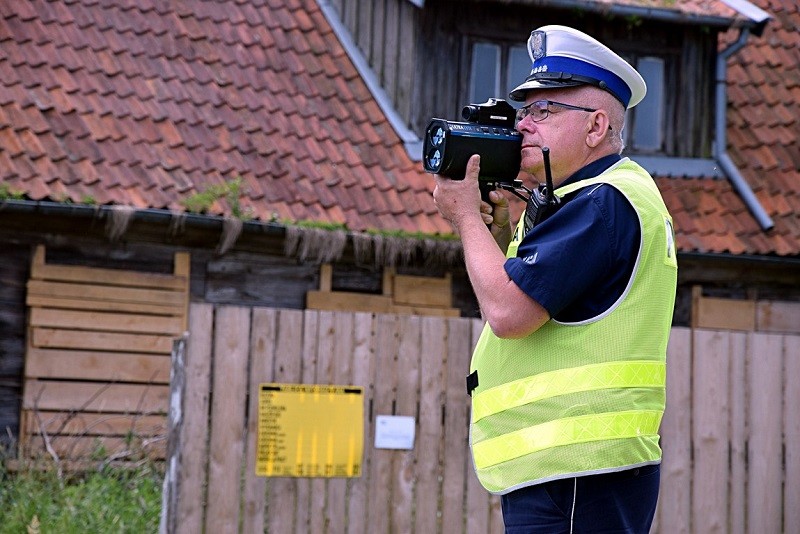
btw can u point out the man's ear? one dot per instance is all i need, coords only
(599, 125)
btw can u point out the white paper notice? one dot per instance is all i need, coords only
(394, 432)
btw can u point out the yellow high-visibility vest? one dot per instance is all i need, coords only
(582, 398)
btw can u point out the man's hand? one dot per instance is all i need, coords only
(459, 200)
(496, 213)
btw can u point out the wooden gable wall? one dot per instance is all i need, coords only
(420, 56)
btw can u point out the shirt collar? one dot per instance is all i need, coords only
(593, 169)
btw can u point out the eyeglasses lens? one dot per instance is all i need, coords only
(538, 111)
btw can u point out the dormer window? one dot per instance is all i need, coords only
(645, 131)
(497, 68)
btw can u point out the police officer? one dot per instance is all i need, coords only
(567, 380)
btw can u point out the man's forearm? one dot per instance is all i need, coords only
(509, 311)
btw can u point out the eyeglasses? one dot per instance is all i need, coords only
(539, 110)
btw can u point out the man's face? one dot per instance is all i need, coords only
(563, 130)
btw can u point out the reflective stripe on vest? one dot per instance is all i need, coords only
(581, 429)
(619, 374)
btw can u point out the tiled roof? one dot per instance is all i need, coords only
(146, 103)
(762, 140)
(763, 131)
(686, 9)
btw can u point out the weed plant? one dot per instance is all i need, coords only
(114, 500)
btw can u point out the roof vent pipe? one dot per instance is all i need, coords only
(720, 153)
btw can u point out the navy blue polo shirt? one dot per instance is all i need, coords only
(578, 261)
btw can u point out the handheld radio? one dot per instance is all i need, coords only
(542, 202)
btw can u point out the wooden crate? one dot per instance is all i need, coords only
(405, 294)
(744, 315)
(97, 359)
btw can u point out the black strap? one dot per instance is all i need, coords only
(472, 382)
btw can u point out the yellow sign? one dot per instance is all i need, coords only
(309, 430)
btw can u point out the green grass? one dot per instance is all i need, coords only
(113, 500)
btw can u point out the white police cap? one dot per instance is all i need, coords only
(566, 57)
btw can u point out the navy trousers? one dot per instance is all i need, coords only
(612, 503)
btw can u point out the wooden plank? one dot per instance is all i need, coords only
(320, 343)
(349, 14)
(182, 268)
(363, 375)
(675, 500)
(710, 428)
(459, 345)
(765, 470)
(407, 62)
(262, 355)
(51, 338)
(391, 46)
(95, 397)
(348, 301)
(739, 345)
(107, 447)
(282, 492)
(107, 322)
(362, 33)
(105, 293)
(775, 316)
(791, 429)
(386, 283)
(110, 277)
(81, 274)
(376, 53)
(496, 525)
(339, 372)
(194, 430)
(25, 420)
(423, 310)
(95, 424)
(408, 376)
(77, 303)
(325, 278)
(226, 441)
(177, 390)
(92, 365)
(722, 314)
(433, 346)
(380, 510)
(424, 291)
(308, 371)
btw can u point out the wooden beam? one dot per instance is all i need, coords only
(89, 291)
(95, 424)
(108, 341)
(93, 275)
(95, 397)
(776, 316)
(93, 321)
(422, 290)
(722, 314)
(95, 365)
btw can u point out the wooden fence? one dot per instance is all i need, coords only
(731, 437)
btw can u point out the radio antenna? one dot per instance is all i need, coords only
(548, 176)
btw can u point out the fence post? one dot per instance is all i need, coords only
(177, 381)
